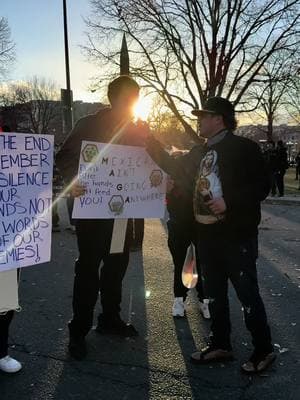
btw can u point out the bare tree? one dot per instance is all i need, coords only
(189, 50)
(165, 126)
(292, 98)
(271, 86)
(34, 104)
(7, 46)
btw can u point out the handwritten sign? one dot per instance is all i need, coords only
(121, 182)
(26, 168)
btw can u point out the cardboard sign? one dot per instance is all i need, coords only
(118, 236)
(26, 169)
(121, 182)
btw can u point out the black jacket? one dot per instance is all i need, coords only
(180, 205)
(243, 176)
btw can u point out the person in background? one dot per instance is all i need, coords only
(7, 363)
(110, 125)
(270, 156)
(297, 160)
(58, 185)
(281, 166)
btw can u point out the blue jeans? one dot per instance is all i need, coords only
(224, 259)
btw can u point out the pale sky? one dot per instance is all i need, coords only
(37, 29)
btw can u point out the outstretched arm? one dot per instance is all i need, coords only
(181, 168)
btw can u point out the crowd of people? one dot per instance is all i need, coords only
(213, 202)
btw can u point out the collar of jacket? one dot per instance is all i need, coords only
(217, 138)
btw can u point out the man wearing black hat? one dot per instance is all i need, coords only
(110, 125)
(228, 179)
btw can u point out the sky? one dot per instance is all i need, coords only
(37, 30)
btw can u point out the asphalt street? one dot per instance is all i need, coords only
(155, 366)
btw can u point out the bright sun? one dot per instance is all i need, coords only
(142, 108)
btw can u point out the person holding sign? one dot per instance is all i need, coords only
(229, 180)
(7, 363)
(110, 125)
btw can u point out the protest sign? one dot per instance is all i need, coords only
(121, 182)
(26, 169)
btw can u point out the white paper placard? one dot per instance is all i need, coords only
(9, 291)
(121, 182)
(118, 236)
(26, 169)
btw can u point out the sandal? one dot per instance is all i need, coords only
(211, 354)
(258, 363)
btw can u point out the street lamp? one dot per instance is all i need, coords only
(66, 94)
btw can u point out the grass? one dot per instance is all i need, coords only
(291, 185)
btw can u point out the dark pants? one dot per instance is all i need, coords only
(273, 183)
(279, 179)
(70, 204)
(55, 215)
(180, 237)
(223, 259)
(94, 240)
(5, 321)
(138, 232)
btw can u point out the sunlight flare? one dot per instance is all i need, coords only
(142, 108)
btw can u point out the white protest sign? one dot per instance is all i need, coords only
(26, 169)
(121, 182)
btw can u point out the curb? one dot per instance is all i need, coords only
(284, 201)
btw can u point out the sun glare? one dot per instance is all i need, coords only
(142, 108)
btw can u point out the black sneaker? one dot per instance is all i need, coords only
(77, 348)
(115, 326)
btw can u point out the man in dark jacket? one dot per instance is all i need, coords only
(111, 125)
(228, 179)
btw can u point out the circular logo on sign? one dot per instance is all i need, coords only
(90, 152)
(116, 204)
(156, 177)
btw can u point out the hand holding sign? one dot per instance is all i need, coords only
(120, 182)
(77, 190)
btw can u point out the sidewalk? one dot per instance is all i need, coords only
(156, 364)
(288, 200)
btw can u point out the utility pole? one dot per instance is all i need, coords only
(66, 94)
